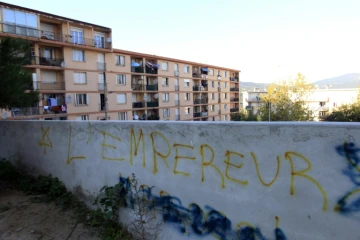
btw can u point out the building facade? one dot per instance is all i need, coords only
(321, 101)
(80, 76)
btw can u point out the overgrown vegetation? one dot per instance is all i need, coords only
(244, 116)
(105, 218)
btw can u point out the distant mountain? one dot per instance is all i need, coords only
(350, 80)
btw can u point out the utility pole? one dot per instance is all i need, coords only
(105, 97)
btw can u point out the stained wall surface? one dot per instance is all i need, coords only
(210, 180)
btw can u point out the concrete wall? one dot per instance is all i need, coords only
(211, 180)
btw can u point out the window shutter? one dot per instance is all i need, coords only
(87, 99)
(75, 100)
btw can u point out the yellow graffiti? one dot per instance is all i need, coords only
(70, 159)
(258, 171)
(229, 164)
(348, 195)
(90, 133)
(137, 144)
(104, 145)
(210, 163)
(302, 173)
(157, 153)
(177, 157)
(45, 139)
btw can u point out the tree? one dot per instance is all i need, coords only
(346, 113)
(243, 116)
(16, 82)
(286, 101)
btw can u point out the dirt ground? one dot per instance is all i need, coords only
(22, 219)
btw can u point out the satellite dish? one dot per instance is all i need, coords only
(156, 96)
(63, 64)
(145, 97)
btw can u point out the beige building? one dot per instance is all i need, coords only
(321, 101)
(77, 71)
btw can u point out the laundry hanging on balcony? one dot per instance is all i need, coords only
(152, 65)
(205, 70)
(135, 64)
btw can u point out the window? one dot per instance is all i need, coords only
(122, 116)
(211, 72)
(165, 97)
(186, 69)
(82, 118)
(225, 74)
(164, 66)
(225, 118)
(25, 23)
(225, 95)
(187, 96)
(77, 36)
(79, 78)
(121, 98)
(81, 99)
(219, 73)
(120, 60)
(166, 112)
(212, 108)
(120, 79)
(212, 84)
(225, 84)
(187, 110)
(165, 82)
(213, 96)
(225, 106)
(78, 55)
(186, 83)
(99, 40)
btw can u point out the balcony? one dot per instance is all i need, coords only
(201, 101)
(197, 114)
(153, 87)
(323, 109)
(176, 88)
(138, 104)
(138, 87)
(150, 70)
(29, 111)
(234, 89)
(234, 99)
(204, 114)
(137, 69)
(234, 109)
(152, 104)
(196, 88)
(101, 66)
(46, 61)
(196, 75)
(49, 85)
(176, 73)
(101, 86)
(234, 79)
(89, 42)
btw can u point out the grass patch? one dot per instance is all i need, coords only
(48, 189)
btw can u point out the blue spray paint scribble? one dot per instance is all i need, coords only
(349, 204)
(193, 220)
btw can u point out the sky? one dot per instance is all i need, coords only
(268, 40)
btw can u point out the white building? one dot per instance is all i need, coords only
(321, 101)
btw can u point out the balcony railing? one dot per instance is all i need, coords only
(234, 89)
(101, 66)
(151, 70)
(234, 79)
(152, 104)
(201, 101)
(219, 89)
(153, 87)
(138, 87)
(46, 61)
(196, 75)
(49, 85)
(29, 111)
(138, 104)
(204, 114)
(101, 86)
(47, 35)
(196, 88)
(177, 117)
(176, 87)
(234, 99)
(137, 69)
(177, 102)
(234, 109)
(176, 73)
(197, 114)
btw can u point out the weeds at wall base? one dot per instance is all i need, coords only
(46, 189)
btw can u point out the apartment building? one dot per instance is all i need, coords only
(321, 101)
(80, 76)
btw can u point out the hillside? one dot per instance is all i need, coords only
(350, 80)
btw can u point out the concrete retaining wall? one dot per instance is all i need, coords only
(211, 180)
